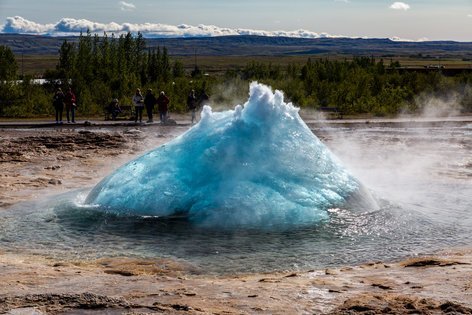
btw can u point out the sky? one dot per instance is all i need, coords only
(405, 20)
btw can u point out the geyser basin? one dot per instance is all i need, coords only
(420, 174)
(258, 165)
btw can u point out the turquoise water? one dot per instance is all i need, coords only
(420, 177)
(257, 166)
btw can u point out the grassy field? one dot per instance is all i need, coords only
(36, 65)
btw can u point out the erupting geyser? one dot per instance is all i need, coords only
(258, 165)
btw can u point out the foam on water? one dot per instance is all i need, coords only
(258, 165)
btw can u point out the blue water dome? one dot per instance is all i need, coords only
(257, 166)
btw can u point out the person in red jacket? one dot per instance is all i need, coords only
(69, 101)
(163, 106)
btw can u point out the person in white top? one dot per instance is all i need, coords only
(138, 101)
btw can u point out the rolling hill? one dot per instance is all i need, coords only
(263, 46)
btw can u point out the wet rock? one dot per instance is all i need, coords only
(169, 122)
(180, 307)
(133, 132)
(119, 272)
(291, 275)
(57, 302)
(4, 204)
(54, 181)
(427, 262)
(54, 167)
(454, 308)
(269, 280)
(330, 272)
(398, 304)
(190, 294)
(381, 286)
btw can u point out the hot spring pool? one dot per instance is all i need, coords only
(420, 174)
(254, 190)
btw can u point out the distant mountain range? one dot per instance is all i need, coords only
(250, 45)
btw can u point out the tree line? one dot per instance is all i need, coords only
(361, 85)
(100, 68)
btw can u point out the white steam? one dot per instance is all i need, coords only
(227, 93)
(435, 107)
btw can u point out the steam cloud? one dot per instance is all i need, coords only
(445, 106)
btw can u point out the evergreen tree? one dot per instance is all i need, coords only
(152, 66)
(84, 64)
(8, 73)
(178, 69)
(165, 65)
(8, 65)
(66, 64)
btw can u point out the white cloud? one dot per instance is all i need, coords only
(73, 27)
(125, 6)
(345, 1)
(18, 24)
(400, 6)
(400, 39)
(69, 26)
(469, 16)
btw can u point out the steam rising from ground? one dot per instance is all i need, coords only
(258, 165)
(446, 106)
(230, 92)
(417, 161)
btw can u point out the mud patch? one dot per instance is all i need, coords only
(429, 262)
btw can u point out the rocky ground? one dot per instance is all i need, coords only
(39, 161)
(36, 162)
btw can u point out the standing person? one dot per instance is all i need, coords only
(149, 101)
(163, 106)
(114, 108)
(138, 101)
(69, 101)
(192, 104)
(58, 102)
(204, 99)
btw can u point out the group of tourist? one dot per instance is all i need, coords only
(63, 100)
(149, 101)
(68, 101)
(162, 101)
